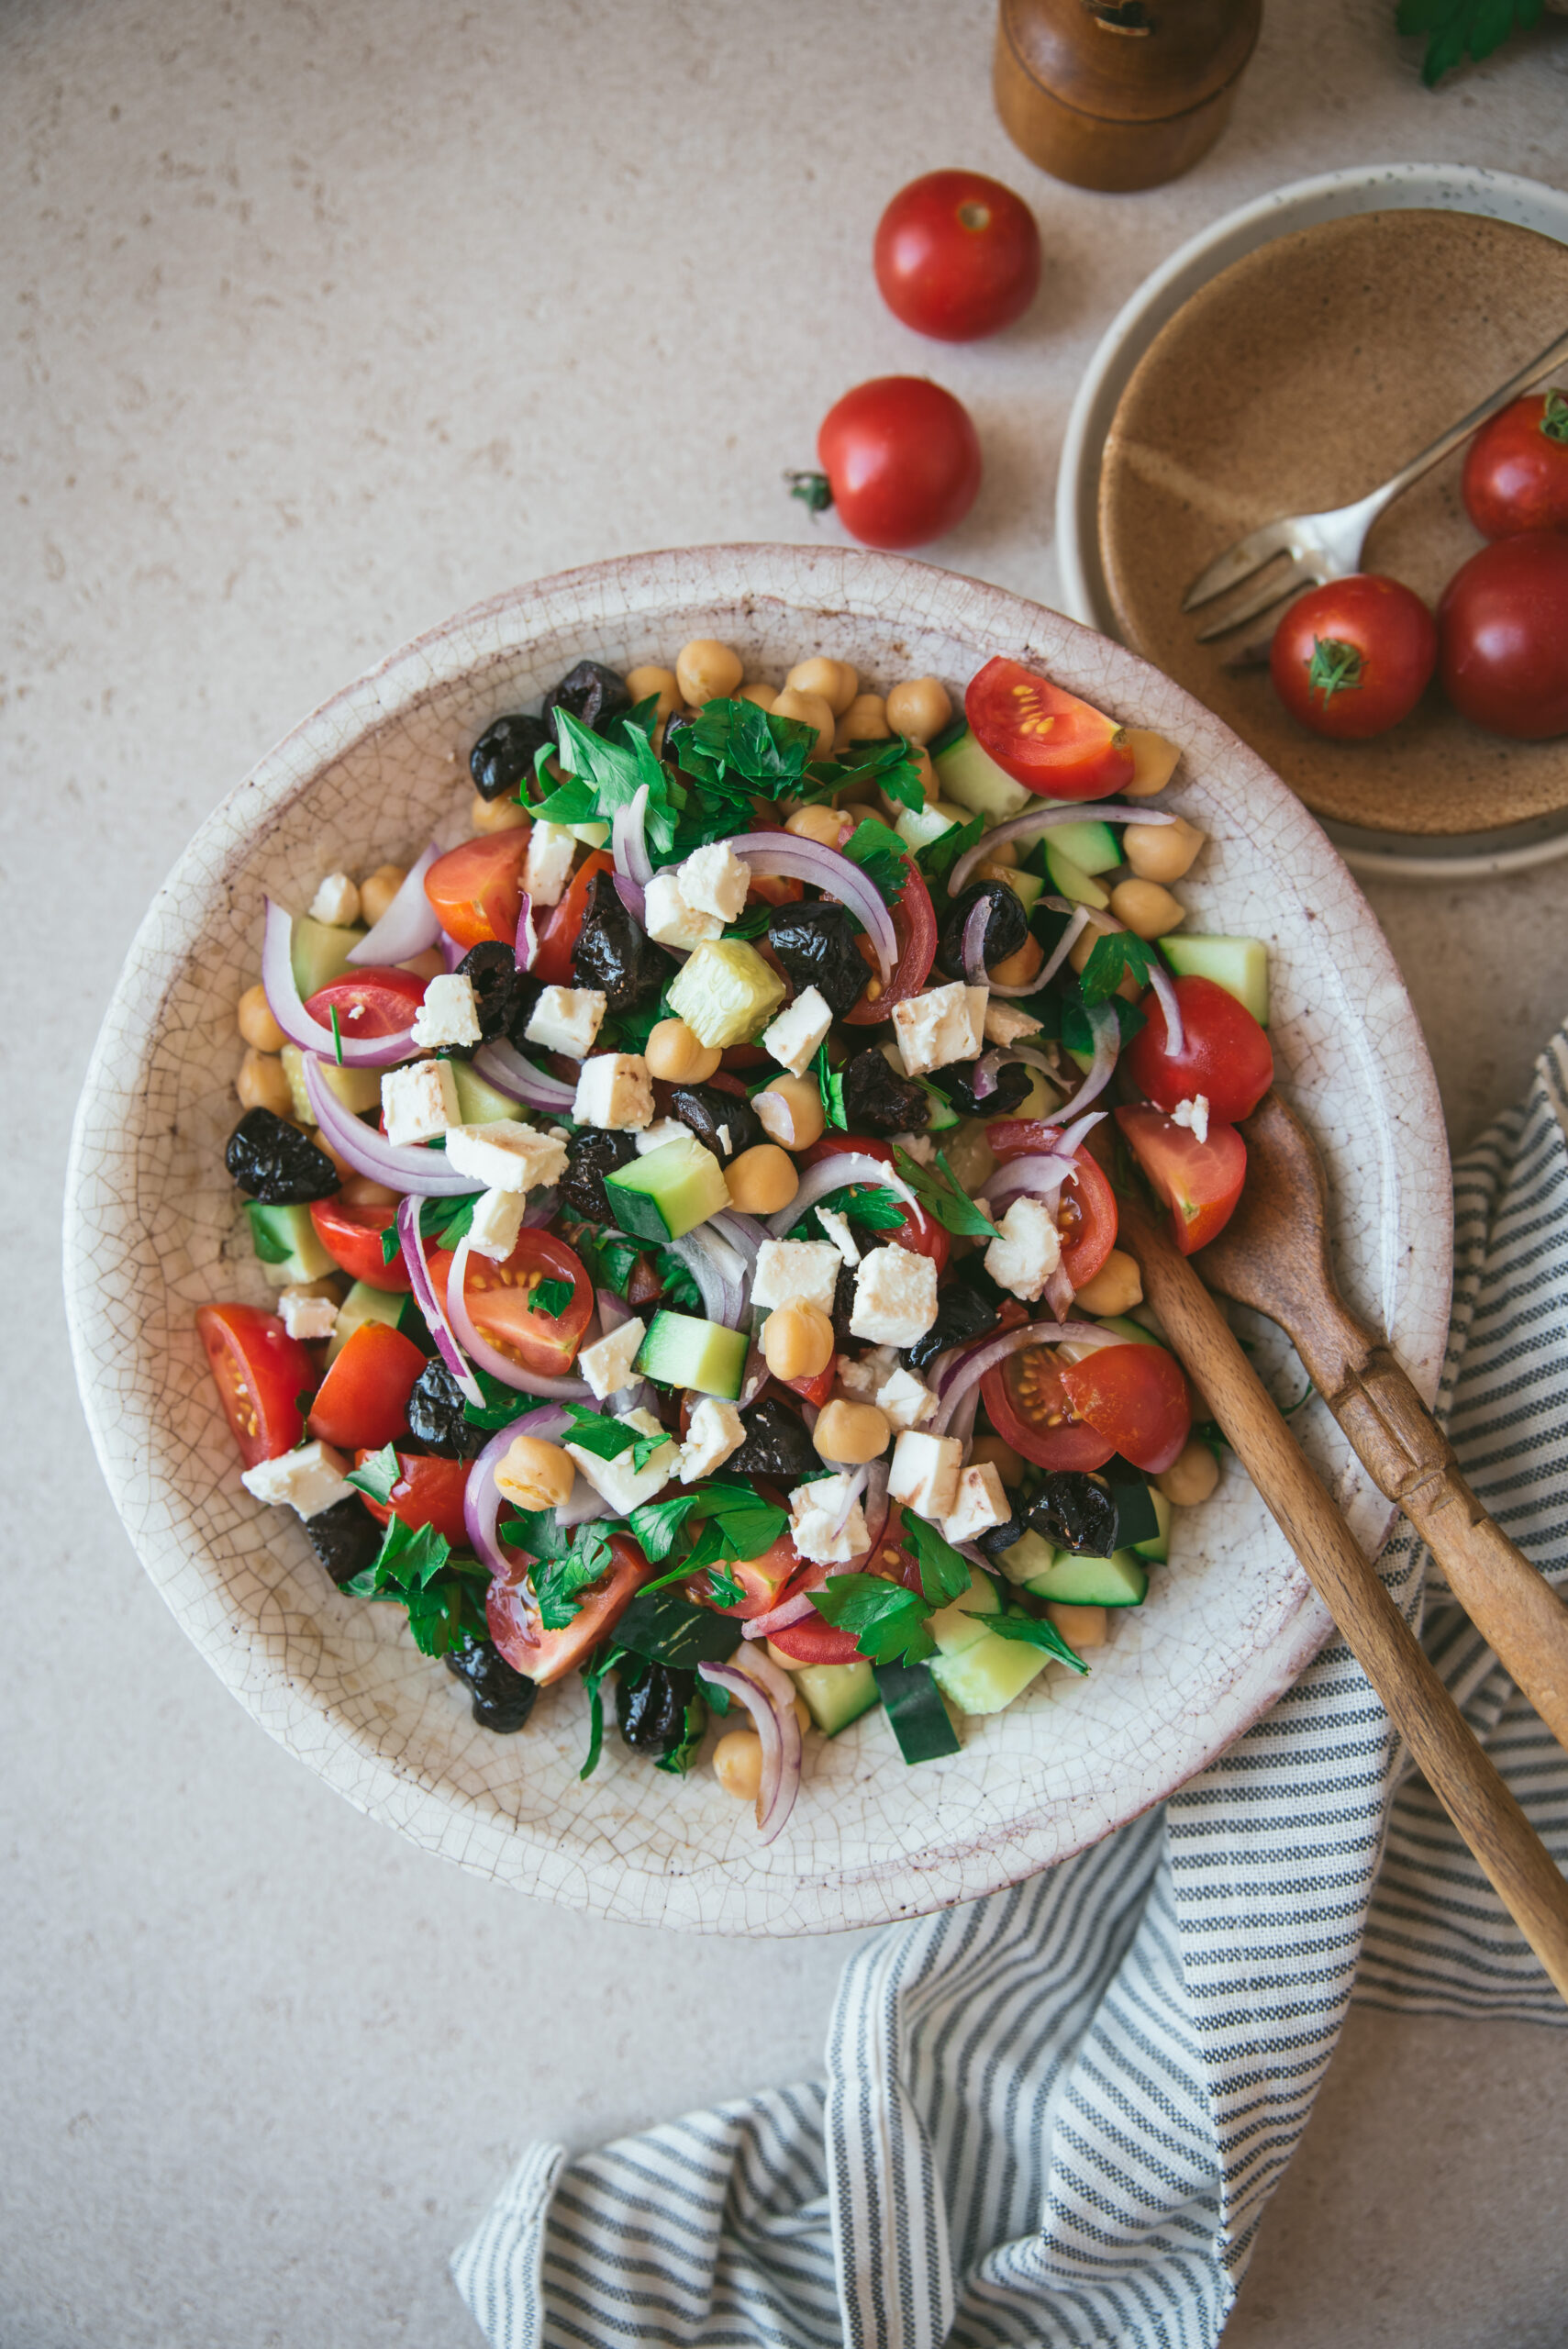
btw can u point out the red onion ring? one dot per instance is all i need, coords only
(744, 1233)
(1107, 1031)
(429, 1303)
(1058, 1292)
(410, 924)
(876, 1501)
(634, 899)
(629, 839)
(453, 952)
(482, 1501)
(1040, 1174)
(972, 1367)
(407, 1166)
(718, 1271)
(526, 945)
(502, 1366)
(283, 1003)
(852, 1492)
(976, 923)
(768, 1697)
(836, 1174)
(837, 876)
(793, 1610)
(1039, 820)
(1176, 1035)
(504, 1066)
(1057, 955)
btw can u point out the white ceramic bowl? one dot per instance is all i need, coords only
(152, 1231)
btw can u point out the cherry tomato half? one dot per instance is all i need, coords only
(1504, 625)
(920, 1232)
(813, 1640)
(1087, 1216)
(1515, 470)
(428, 1492)
(957, 256)
(1225, 1055)
(1350, 659)
(1030, 1408)
(545, 1655)
(1044, 737)
(762, 1579)
(915, 936)
(363, 1402)
(1137, 1399)
(477, 890)
(500, 1300)
(902, 459)
(1200, 1182)
(352, 1237)
(380, 1000)
(257, 1370)
(553, 961)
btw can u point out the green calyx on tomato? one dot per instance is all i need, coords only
(814, 491)
(1554, 418)
(1334, 668)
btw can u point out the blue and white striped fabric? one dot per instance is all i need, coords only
(1055, 2117)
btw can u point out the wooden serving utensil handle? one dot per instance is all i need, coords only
(1459, 1773)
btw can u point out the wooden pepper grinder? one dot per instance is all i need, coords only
(1120, 94)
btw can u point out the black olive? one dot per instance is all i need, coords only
(776, 1445)
(501, 761)
(345, 1538)
(1007, 926)
(958, 1084)
(843, 1309)
(877, 1102)
(711, 1113)
(502, 1698)
(960, 1314)
(590, 694)
(997, 1538)
(591, 1154)
(277, 1163)
(815, 945)
(1075, 1512)
(651, 1712)
(614, 953)
(436, 1417)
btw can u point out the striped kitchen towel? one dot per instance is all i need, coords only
(1055, 2115)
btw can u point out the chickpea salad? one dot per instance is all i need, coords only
(693, 1202)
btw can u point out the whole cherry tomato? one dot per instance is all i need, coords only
(1515, 471)
(1504, 624)
(1350, 659)
(1044, 737)
(1225, 1055)
(902, 459)
(957, 256)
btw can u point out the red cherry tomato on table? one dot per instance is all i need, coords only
(352, 1237)
(920, 1232)
(380, 1000)
(1087, 1216)
(1137, 1399)
(477, 890)
(363, 1402)
(1030, 1408)
(902, 459)
(915, 936)
(1225, 1055)
(1044, 737)
(1353, 658)
(1515, 470)
(1200, 1182)
(1504, 625)
(553, 961)
(545, 1655)
(428, 1492)
(257, 1370)
(499, 1298)
(957, 256)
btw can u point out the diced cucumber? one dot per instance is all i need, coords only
(1093, 848)
(318, 952)
(670, 1192)
(1026, 887)
(918, 827)
(989, 1674)
(726, 993)
(1121, 1581)
(1240, 965)
(1137, 1519)
(920, 1721)
(1069, 880)
(479, 1104)
(285, 1242)
(837, 1694)
(1133, 1331)
(958, 1625)
(1038, 1101)
(1157, 1548)
(394, 1307)
(972, 776)
(1033, 1555)
(357, 1088)
(681, 1350)
(591, 835)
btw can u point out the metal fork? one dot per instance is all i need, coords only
(1327, 546)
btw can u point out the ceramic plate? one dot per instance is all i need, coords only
(152, 1231)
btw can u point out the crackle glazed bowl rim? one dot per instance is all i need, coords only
(149, 1230)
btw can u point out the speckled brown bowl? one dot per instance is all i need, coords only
(1298, 379)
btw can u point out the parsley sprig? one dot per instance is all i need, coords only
(442, 1589)
(892, 1624)
(1452, 27)
(603, 775)
(565, 1565)
(942, 1196)
(444, 1221)
(1113, 959)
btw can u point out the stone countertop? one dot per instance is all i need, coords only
(324, 323)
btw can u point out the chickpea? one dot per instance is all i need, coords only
(738, 1763)
(1017, 970)
(835, 681)
(678, 1054)
(1147, 910)
(495, 814)
(1116, 1288)
(640, 683)
(797, 1341)
(1153, 760)
(535, 1474)
(262, 1084)
(919, 707)
(1001, 1456)
(1000, 860)
(785, 1662)
(763, 1179)
(365, 1191)
(791, 1111)
(1081, 1627)
(865, 720)
(1190, 1478)
(811, 709)
(707, 671)
(427, 965)
(819, 823)
(1161, 852)
(378, 890)
(1100, 925)
(257, 1025)
(756, 690)
(851, 1433)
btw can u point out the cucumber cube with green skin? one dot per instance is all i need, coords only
(1026, 888)
(989, 1674)
(961, 1622)
(1069, 880)
(837, 1694)
(318, 952)
(1119, 1581)
(394, 1307)
(479, 1104)
(285, 1243)
(920, 1720)
(357, 1088)
(668, 1193)
(1240, 965)
(1157, 1548)
(726, 993)
(1133, 1331)
(681, 1350)
(918, 827)
(972, 776)
(1093, 847)
(1030, 1554)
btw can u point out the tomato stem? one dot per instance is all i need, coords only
(1554, 418)
(813, 491)
(1335, 667)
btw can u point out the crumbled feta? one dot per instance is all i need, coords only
(920, 1147)
(506, 1155)
(896, 1296)
(924, 1474)
(793, 1272)
(617, 1481)
(714, 880)
(980, 1503)
(670, 921)
(496, 1221)
(836, 1228)
(306, 1315)
(606, 1364)
(794, 1035)
(663, 1130)
(1004, 1023)
(309, 1480)
(716, 1429)
(615, 1092)
(1026, 1251)
(814, 1512)
(448, 1015)
(1193, 1115)
(566, 1019)
(943, 1025)
(548, 865)
(419, 1103)
(872, 1370)
(905, 1401)
(337, 902)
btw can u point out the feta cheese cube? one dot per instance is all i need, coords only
(896, 1296)
(864, 1378)
(905, 1401)
(655, 1136)
(714, 880)
(981, 1503)
(617, 1481)
(419, 1103)
(548, 865)
(615, 1092)
(306, 1315)
(925, 1472)
(838, 1230)
(1193, 1115)
(796, 1271)
(337, 902)
(670, 921)
(506, 1155)
(1004, 1023)
(794, 1035)
(1026, 1251)
(943, 1025)
(606, 1364)
(309, 1480)
(716, 1429)
(497, 1218)
(566, 1019)
(448, 1014)
(814, 1510)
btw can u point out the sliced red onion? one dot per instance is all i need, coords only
(1106, 1030)
(768, 1697)
(753, 1377)
(482, 1501)
(987, 1067)
(1073, 1137)
(453, 952)
(488, 1357)
(538, 1211)
(283, 1003)
(410, 923)
(504, 1066)
(526, 945)
(976, 923)
(1040, 1174)
(1040, 819)
(852, 1492)
(744, 1233)
(1058, 1292)
(632, 897)
(960, 1427)
(837, 1173)
(407, 1166)
(1176, 1035)
(1057, 955)
(718, 1272)
(837, 876)
(582, 1505)
(614, 1311)
(968, 1370)
(629, 839)
(429, 1303)
(793, 1610)
(876, 1501)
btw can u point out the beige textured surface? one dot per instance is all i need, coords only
(317, 327)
